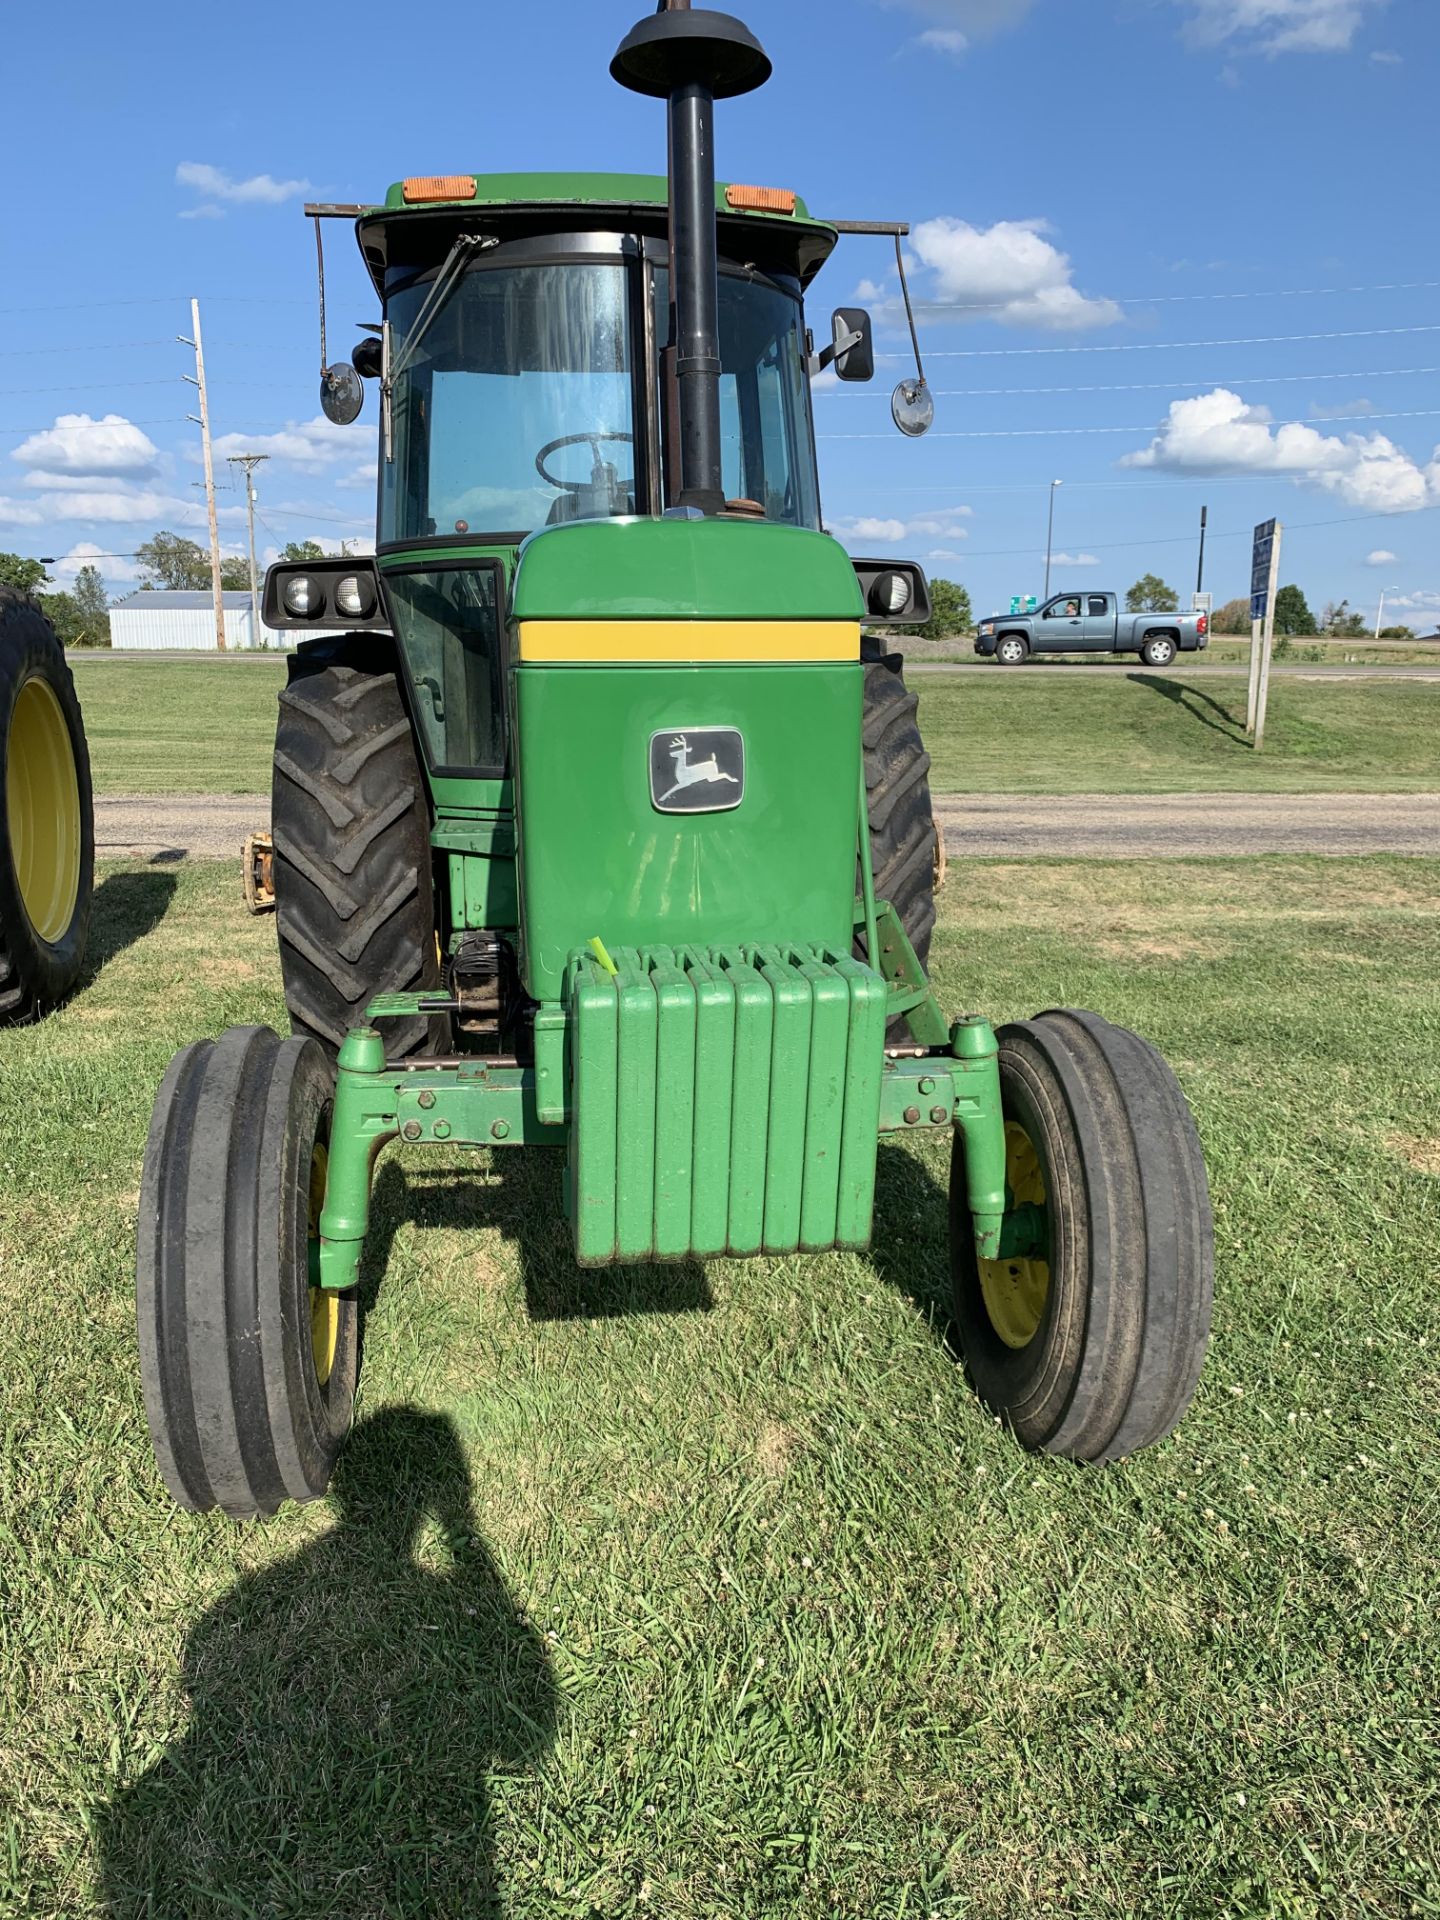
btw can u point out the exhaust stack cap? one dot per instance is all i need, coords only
(695, 46)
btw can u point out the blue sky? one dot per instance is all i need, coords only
(1170, 252)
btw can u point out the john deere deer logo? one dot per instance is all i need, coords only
(704, 763)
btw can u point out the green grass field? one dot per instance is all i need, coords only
(208, 726)
(711, 1591)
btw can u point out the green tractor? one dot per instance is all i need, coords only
(605, 828)
(47, 826)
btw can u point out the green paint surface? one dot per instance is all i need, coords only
(589, 190)
(596, 857)
(718, 569)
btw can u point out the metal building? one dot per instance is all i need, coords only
(156, 620)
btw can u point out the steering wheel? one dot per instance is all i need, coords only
(592, 440)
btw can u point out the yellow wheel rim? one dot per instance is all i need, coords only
(1015, 1291)
(42, 799)
(324, 1301)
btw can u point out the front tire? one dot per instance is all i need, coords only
(354, 891)
(1011, 650)
(47, 822)
(1090, 1342)
(1158, 650)
(249, 1370)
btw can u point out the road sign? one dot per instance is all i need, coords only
(1260, 555)
(1023, 603)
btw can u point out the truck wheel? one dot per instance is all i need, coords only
(904, 847)
(1158, 650)
(1011, 650)
(248, 1368)
(1089, 1343)
(354, 893)
(47, 823)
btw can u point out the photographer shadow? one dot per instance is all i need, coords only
(347, 1708)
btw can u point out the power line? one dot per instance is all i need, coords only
(93, 426)
(1162, 346)
(1040, 433)
(1167, 299)
(1144, 386)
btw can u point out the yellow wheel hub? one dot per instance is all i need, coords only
(324, 1301)
(1015, 1291)
(42, 800)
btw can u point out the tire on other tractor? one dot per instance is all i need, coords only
(906, 854)
(350, 818)
(1091, 1345)
(248, 1368)
(47, 823)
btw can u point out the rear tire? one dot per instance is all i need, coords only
(1158, 650)
(905, 856)
(354, 889)
(47, 821)
(1091, 1346)
(249, 1377)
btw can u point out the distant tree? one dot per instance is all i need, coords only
(170, 560)
(92, 603)
(1338, 621)
(1397, 633)
(63, 614)
(1150, 594)
(949, 612)
(1233, 617)
(302, 550)
(235, 573)
(1292, 615)
(28, 575)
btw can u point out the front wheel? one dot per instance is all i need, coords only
(248, 1365)
(1011, 651)
(1088, 1338)
(1158, 650)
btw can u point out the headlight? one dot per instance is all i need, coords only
(890, 594)
(988, 626)
(355, 597)
(304, 596)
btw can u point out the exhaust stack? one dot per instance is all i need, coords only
(691, 57)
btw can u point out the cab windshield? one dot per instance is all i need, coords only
(518, 410)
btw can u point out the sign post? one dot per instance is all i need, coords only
(1264, 585)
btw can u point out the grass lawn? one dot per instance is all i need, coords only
(712, 1590)
(208, 726)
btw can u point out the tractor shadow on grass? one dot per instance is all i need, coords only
(347, 1706)
(1181, 694)
(124, 908)
(910, 1245)
(521, 1195)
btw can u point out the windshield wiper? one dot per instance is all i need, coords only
(452, 269)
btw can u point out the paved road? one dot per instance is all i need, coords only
(1175, 825)
(1123, 826)
(1211, 670)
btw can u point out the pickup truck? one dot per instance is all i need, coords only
(1090, 623)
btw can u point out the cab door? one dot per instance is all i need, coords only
(1099, 621)
(1060, 627)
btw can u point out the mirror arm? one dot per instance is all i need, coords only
(842, 342)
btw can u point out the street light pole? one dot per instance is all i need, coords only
(1380, 616)
(1050, 534)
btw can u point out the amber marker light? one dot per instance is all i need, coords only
(438, 186)
(761, 199)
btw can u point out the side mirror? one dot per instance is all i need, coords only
(368, 359)
(852, 344)
(895, 592)
(342, 394)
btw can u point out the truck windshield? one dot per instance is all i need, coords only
(517, 411)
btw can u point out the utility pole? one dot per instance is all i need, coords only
(249, 461)
(198, 382)
(1050, 534)
(1380, 616)
(1200, 569)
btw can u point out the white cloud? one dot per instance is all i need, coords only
(1277, 26)
(1008, 272)
(85, 553)
(77, 445)
(309, 445)
(1074, 559)
(944, 553)
(1380, 557)
(869, 528)
(20, 513)
(933, 523)
(1341, 410)
(1218, 433)
(944, 40)
(214, 184)
(1424, 601)
(207, 210)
